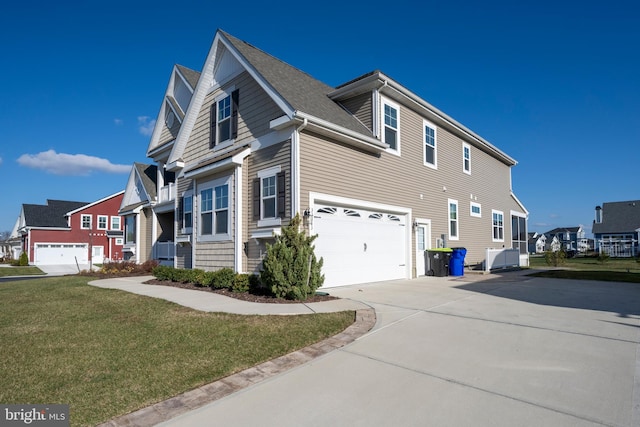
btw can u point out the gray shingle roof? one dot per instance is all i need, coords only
(190, 75)
(149, 176)
(50, 215)
(619, 217)
(301, 91)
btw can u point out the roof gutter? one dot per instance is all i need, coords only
(324, 127)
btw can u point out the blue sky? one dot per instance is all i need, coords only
(554, 86)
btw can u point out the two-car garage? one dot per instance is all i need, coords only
(361, 242)
(60, 253)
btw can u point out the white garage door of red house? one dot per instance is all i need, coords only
(59, 253)
(359, 245)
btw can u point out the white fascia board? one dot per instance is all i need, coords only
(229, 162)
(95, 203)
(345, 135)
(520, 203)
(389, 84)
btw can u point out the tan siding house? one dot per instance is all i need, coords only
(379, 174)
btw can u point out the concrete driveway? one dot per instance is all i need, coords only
(63, 269)
(473, 351)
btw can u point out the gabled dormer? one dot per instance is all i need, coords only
(174, 107)
(141, 188)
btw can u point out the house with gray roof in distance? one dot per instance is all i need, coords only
(616, 228)
(374, 170)
(571, 239)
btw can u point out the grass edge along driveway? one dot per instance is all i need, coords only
(107, 352)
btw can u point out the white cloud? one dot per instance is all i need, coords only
(0, 160)
(118, 122)
(146, 125)
(70, 164)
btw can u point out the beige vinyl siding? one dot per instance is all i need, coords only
(146, 227)
(274, 155)
(168, 134)
(214, 255)
(405, 181)
(255, 110)
(361, 107)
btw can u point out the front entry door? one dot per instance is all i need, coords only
(422, 243)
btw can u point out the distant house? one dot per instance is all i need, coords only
(616, 228)
(570, 238)
(537, 243)
(66, 232)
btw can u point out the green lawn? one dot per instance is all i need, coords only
(587, 268)
(106, 352)
(19, 271)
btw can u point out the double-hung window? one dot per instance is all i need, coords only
(213, 210)
(453, 220)
(86, 221)
(102, 222)
(430, 153)
(224, 119)
(269, 197)
(187, 212)
(391, 125)
(466, 158)
(115, 223)
(498, 226)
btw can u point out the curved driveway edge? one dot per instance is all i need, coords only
(196, 398)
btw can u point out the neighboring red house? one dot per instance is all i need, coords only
(64, 232)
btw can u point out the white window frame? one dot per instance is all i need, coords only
(498, 227)
(455, 220)
(187, 195)
(275, 220)
(213, 186)
(466, 158)
(119, 241)
(385, 102)
(82, 218)
(220, 144)
(106, 222)
(475, 214)
(119, 221)
(426, 124)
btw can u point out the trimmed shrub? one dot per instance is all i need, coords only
(241, 283)
(23, 261)
(163, 272)
(223, 278)
(290, 269)
(555, 258)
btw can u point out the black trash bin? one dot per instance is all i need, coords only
(456, 264)
(438, 261)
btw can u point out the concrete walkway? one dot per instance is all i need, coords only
(212, 302)
(497, 350)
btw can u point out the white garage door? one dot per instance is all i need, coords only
(60, 253)
(359, 245)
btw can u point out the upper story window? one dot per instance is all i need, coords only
(453, 220)
(224, 119)
(430, 153)
(269, 197)
(102, 222)
(115, 223)
(476, 210)
(391, 125)
(466, 158)
(214, 210)
(187, 212)
(498, 226)
(85, 221)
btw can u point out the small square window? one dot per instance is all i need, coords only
(86, 221)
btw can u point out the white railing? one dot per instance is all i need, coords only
(501, 258)
(167, 193)
(164, 251)
(622, 248)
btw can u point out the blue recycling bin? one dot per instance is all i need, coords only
(456, 263)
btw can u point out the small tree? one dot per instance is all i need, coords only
(290, 268)
(23, 260)
(555, 258)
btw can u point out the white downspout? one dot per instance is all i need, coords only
(238, 232)
(295, 168)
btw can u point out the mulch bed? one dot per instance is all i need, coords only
(245, 296)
